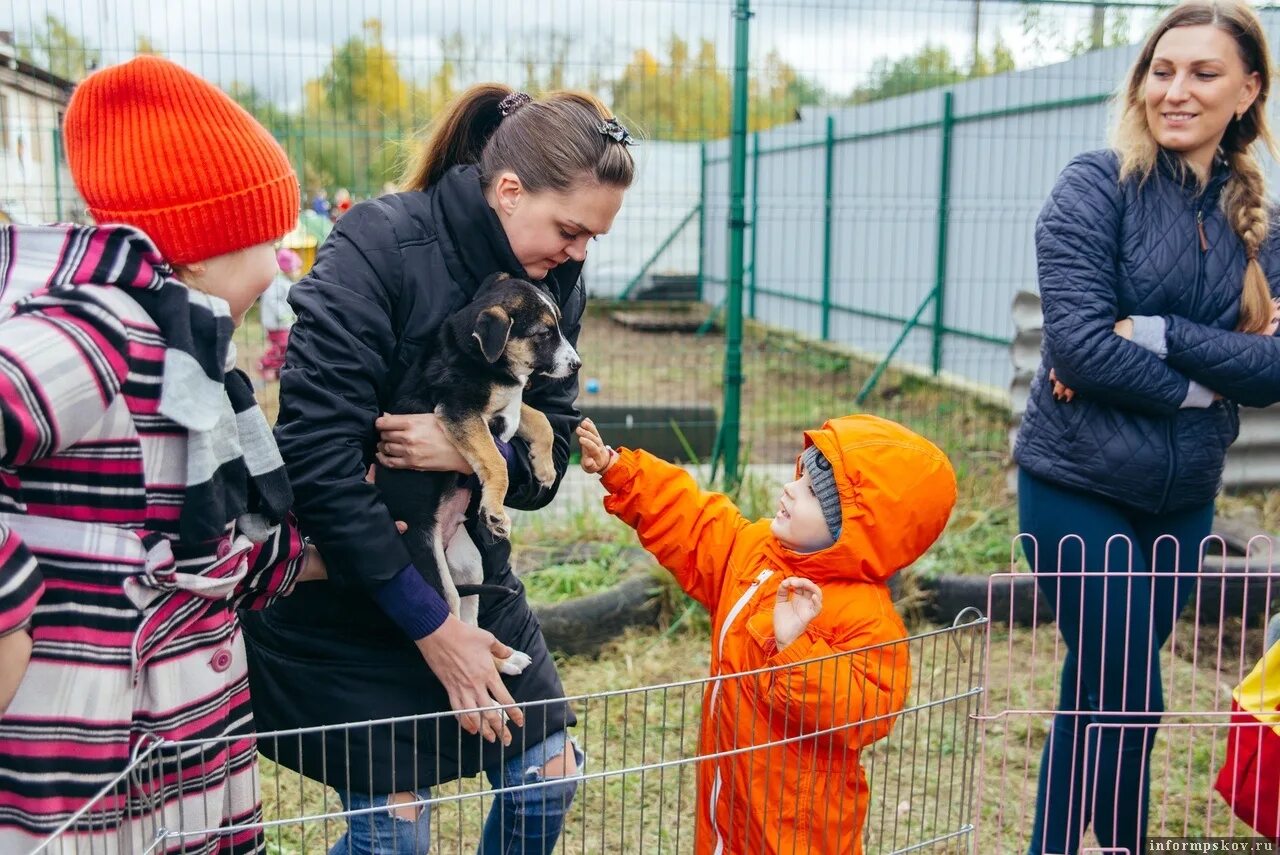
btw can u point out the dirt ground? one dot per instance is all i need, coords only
(789, 385)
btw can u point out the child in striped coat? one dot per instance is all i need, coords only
(142, 498)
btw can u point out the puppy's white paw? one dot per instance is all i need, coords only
(513, 664)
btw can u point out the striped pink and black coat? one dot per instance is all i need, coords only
(135, 634)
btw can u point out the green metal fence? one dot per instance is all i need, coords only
(812, 175)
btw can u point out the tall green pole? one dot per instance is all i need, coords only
(737, 227)
(702, 218)
(57, 173)
(827, 211)
(944, 216)
(755, 218)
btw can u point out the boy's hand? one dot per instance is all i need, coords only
(798, 602)
(596, 456)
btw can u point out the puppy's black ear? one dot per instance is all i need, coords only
(493, 279)
(493, 325)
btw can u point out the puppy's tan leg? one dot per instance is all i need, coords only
(472, 439)
(536, 430)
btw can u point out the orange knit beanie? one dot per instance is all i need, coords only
(153, 146)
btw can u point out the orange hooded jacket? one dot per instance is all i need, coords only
(805, 791)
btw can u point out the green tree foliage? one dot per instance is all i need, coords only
(688, 95)
(1049, 39)
(55, 48)
(930, 67)
(354, 114)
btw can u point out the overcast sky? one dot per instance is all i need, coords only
(278, 44)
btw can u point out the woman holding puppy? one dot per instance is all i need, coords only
(504, 184)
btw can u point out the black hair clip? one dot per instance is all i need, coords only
(513, 102)
(615, 129)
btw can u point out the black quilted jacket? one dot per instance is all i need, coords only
(1105, 251)
(386, 278)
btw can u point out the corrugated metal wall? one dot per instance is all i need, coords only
(1007, 148)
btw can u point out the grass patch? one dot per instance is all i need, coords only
(1259, 505)
(567, 580)
(541, 537)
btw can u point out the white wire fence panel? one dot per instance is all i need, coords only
(124, 816)
(1093, 665)
(638, 788)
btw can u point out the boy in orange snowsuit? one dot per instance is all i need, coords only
(789, 594)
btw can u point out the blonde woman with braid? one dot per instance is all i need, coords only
(1158, 275)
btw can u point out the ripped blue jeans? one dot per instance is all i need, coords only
(522, 821)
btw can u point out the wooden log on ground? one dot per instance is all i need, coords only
(584, 624)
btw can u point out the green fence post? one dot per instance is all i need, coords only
(944, 214)
(737, 224)
(702, 215)
(57, 174)
(827, 210)
(755, 216)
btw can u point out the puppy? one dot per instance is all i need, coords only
(473, 377)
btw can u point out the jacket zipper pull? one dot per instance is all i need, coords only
(733, 612)
(1204, 240)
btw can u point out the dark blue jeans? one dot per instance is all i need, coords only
(522, 821)
(1114, 624)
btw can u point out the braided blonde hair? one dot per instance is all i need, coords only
(1244, 199)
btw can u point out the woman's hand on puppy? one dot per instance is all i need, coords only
(417, 441)
(596, 456)
(461, 656)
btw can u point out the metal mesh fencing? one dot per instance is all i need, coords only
(898, 155)
(637, 790)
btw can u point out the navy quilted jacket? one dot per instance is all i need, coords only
(1106, 251)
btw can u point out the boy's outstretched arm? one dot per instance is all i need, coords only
(849, 689)
(689, 530)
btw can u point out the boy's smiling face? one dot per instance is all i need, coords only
(799, 524)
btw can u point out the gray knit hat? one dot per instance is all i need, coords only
(824, 487)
